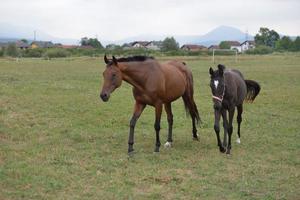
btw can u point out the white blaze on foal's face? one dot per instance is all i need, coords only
(216, 82)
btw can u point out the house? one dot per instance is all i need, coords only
(112, 46)
(126, 46)
(193, 47)
(22, 45)
(154, 45)
(248, 44)
(211, 47)
(41, 44)
(234, 45)
(139, 44)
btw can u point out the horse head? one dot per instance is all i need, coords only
(217, 85)
(112, 78)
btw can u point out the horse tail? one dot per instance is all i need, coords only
(253, 89)
(188, 99)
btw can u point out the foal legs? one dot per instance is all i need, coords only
(217, 130)
(158, 110)
(168, 109)
(138, 109)
(239, 121)
(225, 126)
(230, 128)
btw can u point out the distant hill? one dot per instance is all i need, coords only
(222, 33)
(213, 37)
(9, 33)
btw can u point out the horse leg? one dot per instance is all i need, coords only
(217, 130)
(230, 128)
(158, 110)
(225, 126)
(195, 135)
(138, 109)
(168, 109)
(239, 121)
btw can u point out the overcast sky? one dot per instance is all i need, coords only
(118, 19)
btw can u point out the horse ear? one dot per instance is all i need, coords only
(221, 69)
(211, 71)
(105, 59)
(115, 61)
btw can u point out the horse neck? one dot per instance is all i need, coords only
(133, 73)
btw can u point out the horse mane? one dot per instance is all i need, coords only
(135, 59)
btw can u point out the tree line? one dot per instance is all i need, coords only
(270, 38)
(266, 41)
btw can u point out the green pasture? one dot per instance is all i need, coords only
(59, 141)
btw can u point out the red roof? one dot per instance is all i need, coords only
(214, 47)
(86, 47)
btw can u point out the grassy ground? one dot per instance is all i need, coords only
(59, 141)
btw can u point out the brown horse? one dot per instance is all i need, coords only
(154, 84)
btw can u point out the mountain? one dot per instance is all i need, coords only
(213, 37)
(223, 33)
(12, 33)
(9, 33)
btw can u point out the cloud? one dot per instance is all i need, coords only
(116, 19)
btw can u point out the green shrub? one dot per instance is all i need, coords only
(56, 53)
(260, 50)
(35, 53)
(1, 52)
(12, 50)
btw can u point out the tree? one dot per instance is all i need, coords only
(170, 44)
(285, 43)
(94, 42)
(296, 44)
(224, 45)
(24, 40)
(266, 37)
(84, 41)
(12, 50)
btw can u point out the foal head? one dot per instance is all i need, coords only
(112, 78)
(217, 85)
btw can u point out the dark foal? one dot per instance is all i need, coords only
(156, 84)
(229, 90)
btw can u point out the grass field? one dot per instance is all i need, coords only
(59, 141)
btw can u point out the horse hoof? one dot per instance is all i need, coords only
(131, 153)
(196, 138)
(222, 149)
(238, 141)
(168, 145)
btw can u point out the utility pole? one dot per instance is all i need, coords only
(34, 35)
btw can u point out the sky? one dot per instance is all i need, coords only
(119, 19)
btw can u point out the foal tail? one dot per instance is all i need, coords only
(188, 99)
(253, 89)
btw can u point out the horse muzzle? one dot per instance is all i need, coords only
(104, 96)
